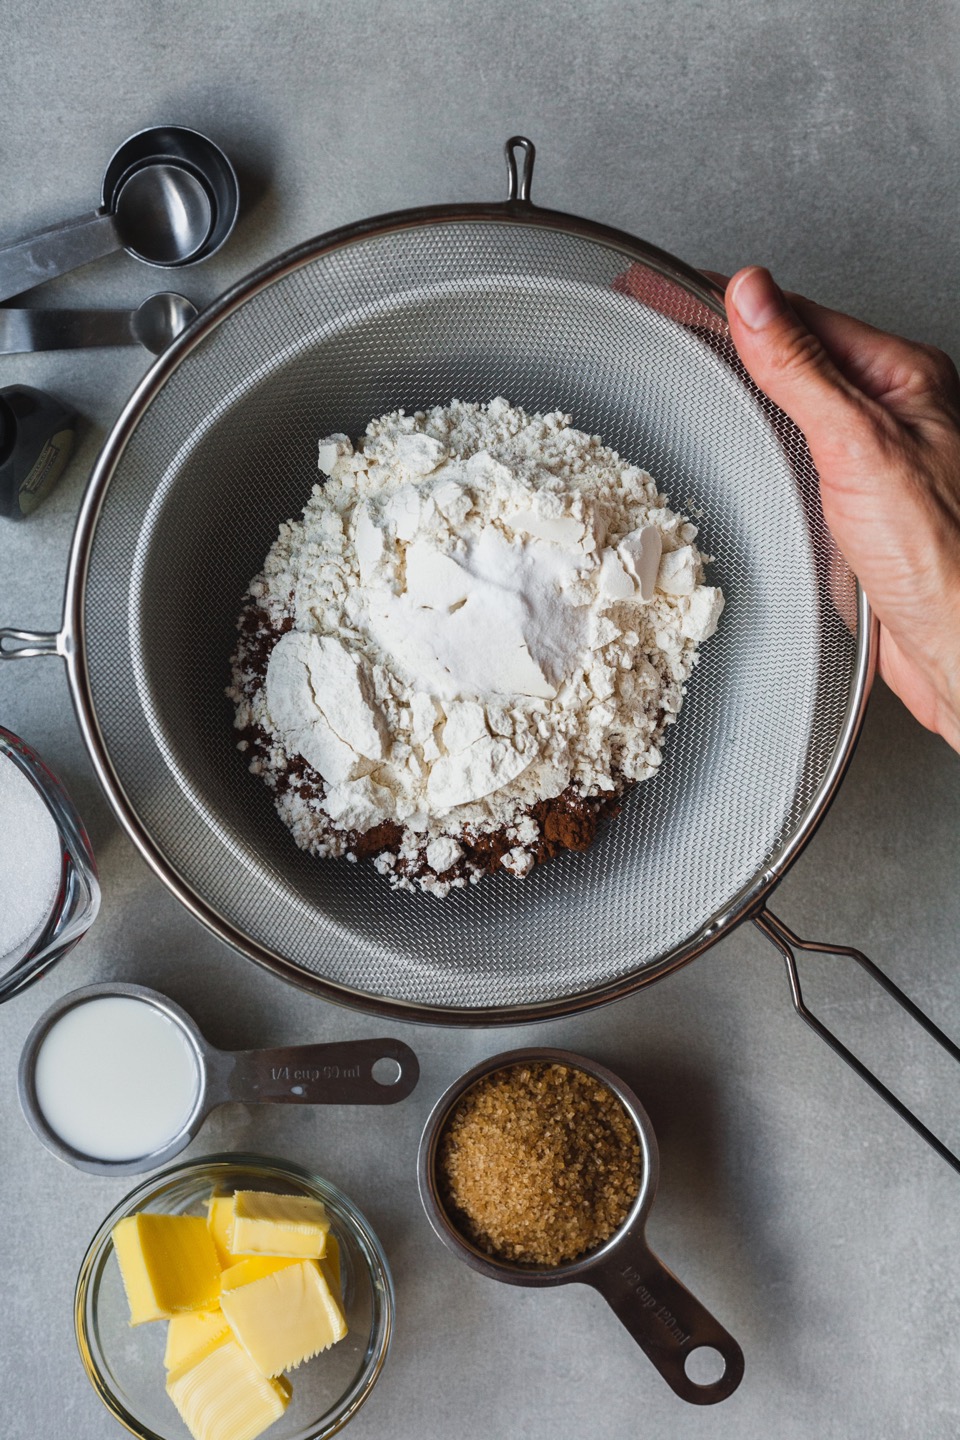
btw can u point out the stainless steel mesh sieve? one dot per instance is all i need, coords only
(218, 447)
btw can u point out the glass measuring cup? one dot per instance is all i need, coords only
(65, 1068)
(77, 897)
(669, 1324)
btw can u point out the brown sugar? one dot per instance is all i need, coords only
(539, 1163)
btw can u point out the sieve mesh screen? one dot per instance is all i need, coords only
(225, 451)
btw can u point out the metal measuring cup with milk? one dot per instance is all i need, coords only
(117, 1079)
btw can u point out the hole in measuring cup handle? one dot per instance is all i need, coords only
(386, 1071)
(705, 1365)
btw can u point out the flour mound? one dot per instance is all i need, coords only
(469, 645)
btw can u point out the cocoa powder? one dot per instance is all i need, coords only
(569, 821)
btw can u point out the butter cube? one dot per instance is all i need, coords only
(219, 1223)
(225, 1397)
(190, 1334)
(330, 1267)
(252, 1267)
(265, 1224)
(168, 1263)
(285, 1317)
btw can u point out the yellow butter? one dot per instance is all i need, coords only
(224, 1396)
(168, 1263)
(219, 1222)
(190, 1334)
(265, 1224)
(252, 1267)
(285, 1317)
(330, 1266)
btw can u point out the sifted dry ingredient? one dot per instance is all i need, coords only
(539, 1164)
(480, 613)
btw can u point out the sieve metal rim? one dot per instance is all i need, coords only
(517, 210)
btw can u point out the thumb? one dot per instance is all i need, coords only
(789, 363)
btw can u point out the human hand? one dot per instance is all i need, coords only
(881, 416)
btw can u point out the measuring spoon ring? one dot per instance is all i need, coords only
(117, 1079)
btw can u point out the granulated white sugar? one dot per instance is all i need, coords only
(30, 859)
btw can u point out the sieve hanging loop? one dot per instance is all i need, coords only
(519, 181)
(787, 943)
(28, 644)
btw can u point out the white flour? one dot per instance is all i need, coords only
(488, 608)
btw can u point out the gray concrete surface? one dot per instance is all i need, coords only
(823, 139)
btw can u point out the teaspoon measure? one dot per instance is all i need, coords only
(155, 323)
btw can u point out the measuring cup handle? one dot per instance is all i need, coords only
(667, 1322)
(341, 1073)
(53, 252)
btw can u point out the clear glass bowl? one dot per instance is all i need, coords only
(78, 896)
(125, 1363)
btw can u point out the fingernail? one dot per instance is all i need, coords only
(756, 298)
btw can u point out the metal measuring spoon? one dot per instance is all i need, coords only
(351, 1072)
(154, 324)
(169, 197)
(667, 1322)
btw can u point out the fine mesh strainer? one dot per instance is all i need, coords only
(218, 446)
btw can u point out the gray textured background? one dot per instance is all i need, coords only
(822, 139)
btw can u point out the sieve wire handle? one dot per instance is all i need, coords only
(27, 644)
(787, 943)
(668, 1323)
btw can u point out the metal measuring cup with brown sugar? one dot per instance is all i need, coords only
(675, 1332)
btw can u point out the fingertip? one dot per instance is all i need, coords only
(737, 276)
(754, 297)
(785, 358)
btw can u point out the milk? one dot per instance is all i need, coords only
(116, 1078)
(31, 861)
